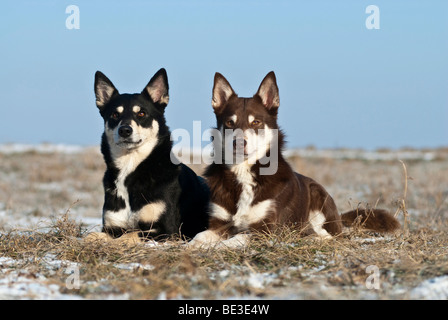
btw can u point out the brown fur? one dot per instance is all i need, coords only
(371, 219)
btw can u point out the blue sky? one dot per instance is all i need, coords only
(341, 84)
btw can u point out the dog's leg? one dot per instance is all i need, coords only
(317, 220)
(323, 215)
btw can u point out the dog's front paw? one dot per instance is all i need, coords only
(205, 239)
(97, 236)
(130, 238)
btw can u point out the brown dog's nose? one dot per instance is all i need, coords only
(239, 143)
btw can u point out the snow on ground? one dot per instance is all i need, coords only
(43, 224)
(376, 155)
(17, 282)
(432, 289)
(40, 148)
(363, 154)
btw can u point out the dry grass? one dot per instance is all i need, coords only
(291, 263)
(280, 265)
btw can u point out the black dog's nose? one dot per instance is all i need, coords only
(125, 131)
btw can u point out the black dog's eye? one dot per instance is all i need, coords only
(115, 115)
(141, 114)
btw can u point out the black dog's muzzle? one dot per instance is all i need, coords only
(125, 131)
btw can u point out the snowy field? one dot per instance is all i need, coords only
(51, 197)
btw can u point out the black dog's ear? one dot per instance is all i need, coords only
(268, 91)
(157, 88)
(222, 91)
(104, 90)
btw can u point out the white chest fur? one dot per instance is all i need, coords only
(126, 163)
(247, 213)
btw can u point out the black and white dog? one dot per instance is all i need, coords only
(145, 193)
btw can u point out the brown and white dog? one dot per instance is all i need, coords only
(255, 188)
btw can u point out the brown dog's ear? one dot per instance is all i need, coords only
(222, 91)
(104, 90)
(157, 88)
(268, 91)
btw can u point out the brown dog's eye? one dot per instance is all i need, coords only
(256, 123)
(141, 114)
(229, 123)
(115, 115)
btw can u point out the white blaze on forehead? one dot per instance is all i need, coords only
(120, 109)
(136, 109)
